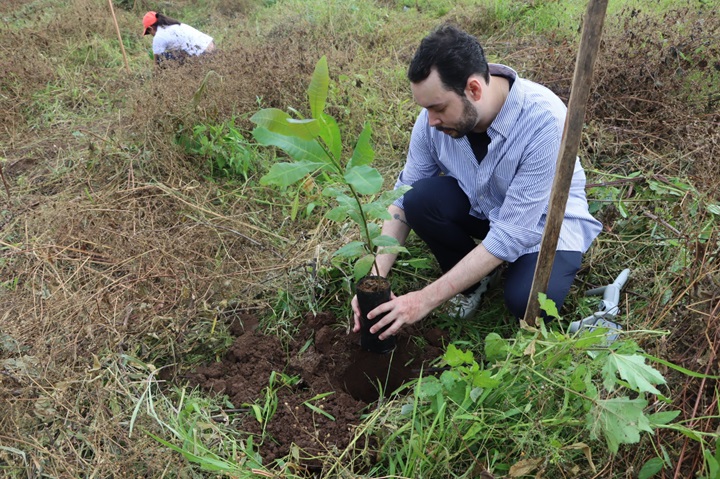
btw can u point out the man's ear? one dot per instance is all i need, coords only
(474, 88)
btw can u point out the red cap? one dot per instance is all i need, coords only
(149, 20)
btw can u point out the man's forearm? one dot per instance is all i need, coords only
(477, 264)
(396, 228)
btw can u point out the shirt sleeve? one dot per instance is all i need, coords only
(517, 224)
(421, 160)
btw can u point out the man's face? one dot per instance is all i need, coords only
(448, 112)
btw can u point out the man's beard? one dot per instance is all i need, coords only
(466, 124)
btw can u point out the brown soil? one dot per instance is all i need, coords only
(332, 363)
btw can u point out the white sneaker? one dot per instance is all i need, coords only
(463, 306)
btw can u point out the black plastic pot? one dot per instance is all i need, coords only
(372, 291)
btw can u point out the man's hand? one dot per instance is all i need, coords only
(401, 310)
(357, 314)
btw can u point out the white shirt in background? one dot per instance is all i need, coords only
(180, 37)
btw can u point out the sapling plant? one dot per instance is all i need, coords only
(314, 147)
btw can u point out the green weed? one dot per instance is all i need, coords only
(223, 147)
(539, 403)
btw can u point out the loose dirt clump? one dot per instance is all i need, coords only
(328, 381)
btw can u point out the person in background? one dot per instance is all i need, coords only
(173, 40)
(481, 164)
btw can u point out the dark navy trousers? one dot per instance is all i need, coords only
(439, 213)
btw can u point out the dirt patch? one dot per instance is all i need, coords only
(329, 381)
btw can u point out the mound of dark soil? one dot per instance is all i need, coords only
(320, 359)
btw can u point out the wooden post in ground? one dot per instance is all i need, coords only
(580, 92)
(117, 29)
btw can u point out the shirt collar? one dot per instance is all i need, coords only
(511, 109)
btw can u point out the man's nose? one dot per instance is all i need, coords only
(433, 119)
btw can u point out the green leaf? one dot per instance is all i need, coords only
(363, 154)
(650, 468)
(286, 174)
(429, 387)
(296, 148)
(548, 305)
(484, 379)
(385, 240)
(456, 357)
(318, 89)
(712, 463)
(337, 214)
(455, 388)
(280, 122)
(363, 266)
(495, 347)
(389, 196)
(365, 179)
(377, 211)
(330, 133)
(392, 250)
(577, 378)
(353, 249)
(632, 368)
(620, 420)
(679, 368)
(374, 230)
(662, 418)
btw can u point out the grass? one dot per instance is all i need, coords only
(123, 253)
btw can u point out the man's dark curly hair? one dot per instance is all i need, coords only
(455, 54)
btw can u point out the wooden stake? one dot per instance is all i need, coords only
(580, 92)
(117, 29)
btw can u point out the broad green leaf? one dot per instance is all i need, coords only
(363, 154)
(330, 133)
(337, 214)
(456, 357)
(353, 249)
(548, 305)
(632, 368)
(714, 209)
(650, 468)
(385, 240)
(350, 207)
(318, 89)
(712, 463)
(495, 347)
(286, 174)
(363, 266)
(365, 179)
(620, 420)
(484, 379)
(297, 148)
(376, 211)
(280, 122)
(662, 418)
(392, 250)
(476, 393)
(577, 378)
(455, 388)
(389, 196)
(374, 230)
(429, 387)
(335, 191)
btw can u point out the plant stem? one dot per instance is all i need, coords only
(364, 226)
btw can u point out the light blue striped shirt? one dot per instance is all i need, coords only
(511, 186)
